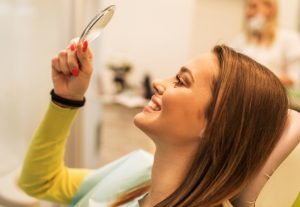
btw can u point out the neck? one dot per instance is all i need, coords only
(258, 37)
(169, 170)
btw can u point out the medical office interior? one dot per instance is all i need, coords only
(145, 39)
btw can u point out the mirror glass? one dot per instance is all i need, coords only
(96, 25)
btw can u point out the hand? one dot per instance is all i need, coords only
(286, 80)
(71, 71)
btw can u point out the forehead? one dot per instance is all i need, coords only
(255, 1)
(204, 67)
(260, 2)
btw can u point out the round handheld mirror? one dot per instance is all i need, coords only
(96, 25)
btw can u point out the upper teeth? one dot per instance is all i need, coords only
(154, 106)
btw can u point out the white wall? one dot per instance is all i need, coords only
(215, 22)
(289, 16)
(30, 35)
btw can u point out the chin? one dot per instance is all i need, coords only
(138, 120)
(143, 121)
(147, 121)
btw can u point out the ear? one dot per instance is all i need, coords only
(203, 129)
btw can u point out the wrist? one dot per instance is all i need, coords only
(74, 97)
(63, 105)
(73, 102)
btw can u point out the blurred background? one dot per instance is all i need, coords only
(150, 39)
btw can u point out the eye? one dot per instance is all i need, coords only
(178, 82)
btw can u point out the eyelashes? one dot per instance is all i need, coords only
(178, 82)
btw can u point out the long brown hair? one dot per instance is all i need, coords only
(245, 120)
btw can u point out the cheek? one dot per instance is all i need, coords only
(267, 12)
(183, 113)
(185, 104)
(250, 13)
(174, 103)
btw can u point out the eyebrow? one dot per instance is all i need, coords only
(186, 70)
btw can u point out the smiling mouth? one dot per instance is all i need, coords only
(154, 106)
(155, 103)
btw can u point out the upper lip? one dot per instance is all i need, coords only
(156, 100)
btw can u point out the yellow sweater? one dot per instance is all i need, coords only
(44, 174)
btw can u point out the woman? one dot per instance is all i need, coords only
(271, 46)
(214, 125)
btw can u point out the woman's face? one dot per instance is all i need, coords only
(176, 112)
(259, 7)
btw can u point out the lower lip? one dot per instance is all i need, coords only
(148, 109)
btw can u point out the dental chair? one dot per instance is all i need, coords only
(278, 182)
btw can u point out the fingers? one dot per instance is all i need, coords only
(55, 64)
(72, 60)
(85, 57)
(75, 59)
(63, 62)
(286, 80)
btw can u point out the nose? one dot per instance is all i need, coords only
(158, 87)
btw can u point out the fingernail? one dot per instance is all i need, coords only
(85, 46)
(72, 47)
(75, 71)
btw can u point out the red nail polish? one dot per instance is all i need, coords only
(75, 71)
(85, 46)
(72, 47)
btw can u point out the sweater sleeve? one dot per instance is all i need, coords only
(44, 174)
